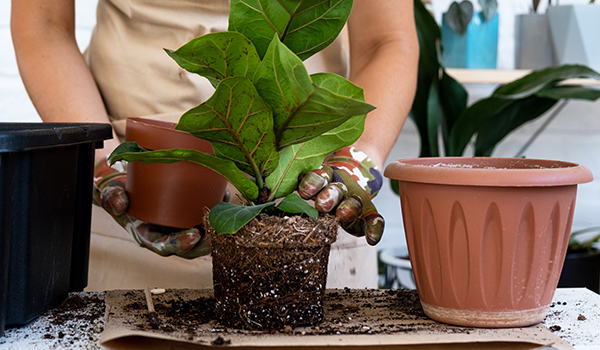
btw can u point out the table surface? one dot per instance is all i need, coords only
(574, 315)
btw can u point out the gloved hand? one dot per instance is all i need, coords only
(109, 193)
(345, 183)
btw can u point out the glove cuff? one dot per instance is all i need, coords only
(358, 165)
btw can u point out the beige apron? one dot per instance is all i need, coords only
(138, 79)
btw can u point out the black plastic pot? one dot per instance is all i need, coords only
(46, 172)
(581, 269)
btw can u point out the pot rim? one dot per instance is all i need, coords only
(154, 134)
(155, 123)
(488, 171)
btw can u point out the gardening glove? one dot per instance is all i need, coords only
(109, 193)
(345, 184)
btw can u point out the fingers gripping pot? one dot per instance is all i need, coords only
(487, 237)
(176, 194)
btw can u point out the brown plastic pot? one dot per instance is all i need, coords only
(174, 195)
(487, 237)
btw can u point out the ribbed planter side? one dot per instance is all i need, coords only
(488, 254)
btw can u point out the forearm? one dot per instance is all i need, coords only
(390, 87)
(385, 66)
(54, 71)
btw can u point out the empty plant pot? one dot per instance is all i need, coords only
(176, 194)
(487, 237)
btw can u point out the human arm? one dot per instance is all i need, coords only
(52, 67)
(63, 89)
(384, 55)
(383, 61)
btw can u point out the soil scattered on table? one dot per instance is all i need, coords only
(77, 323)
(368, 311)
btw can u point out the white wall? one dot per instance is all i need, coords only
(573, 136)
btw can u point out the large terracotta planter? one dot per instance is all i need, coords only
(487, 237)
(174, 195)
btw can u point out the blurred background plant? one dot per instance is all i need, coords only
(460, 13)
(445, 123)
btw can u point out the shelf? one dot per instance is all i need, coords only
(499, 76)
(486, 76)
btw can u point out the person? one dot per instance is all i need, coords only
(124, 73)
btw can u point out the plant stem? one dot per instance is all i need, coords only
(287, 26)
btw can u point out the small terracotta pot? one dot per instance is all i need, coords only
(174, 195)
(487, 237)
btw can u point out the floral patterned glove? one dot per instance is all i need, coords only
(109, 193)
(346, 183)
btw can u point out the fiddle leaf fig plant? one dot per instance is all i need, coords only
(268, 120)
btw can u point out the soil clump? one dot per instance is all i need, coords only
(272, 273)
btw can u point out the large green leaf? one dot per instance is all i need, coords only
(131, 151)
(425, 107)
(217, 56)
(230, 218)
(453, 101)
(334, 101)
(238, 124)
(303, 157)
(283, 82)
(538, 80)
(433, 121)
(294, 204)
(429, 34)
(511, 106)
(471, 120)
(571, 92)
(305, 26)
(502, 122)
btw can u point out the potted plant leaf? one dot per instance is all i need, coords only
(582, 263)
(470, 39)
(268, 122)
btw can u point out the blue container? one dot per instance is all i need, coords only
(477, 48)
(46, 172)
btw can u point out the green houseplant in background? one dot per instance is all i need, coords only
(268, 121)
(476, 226)
(447, 125)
